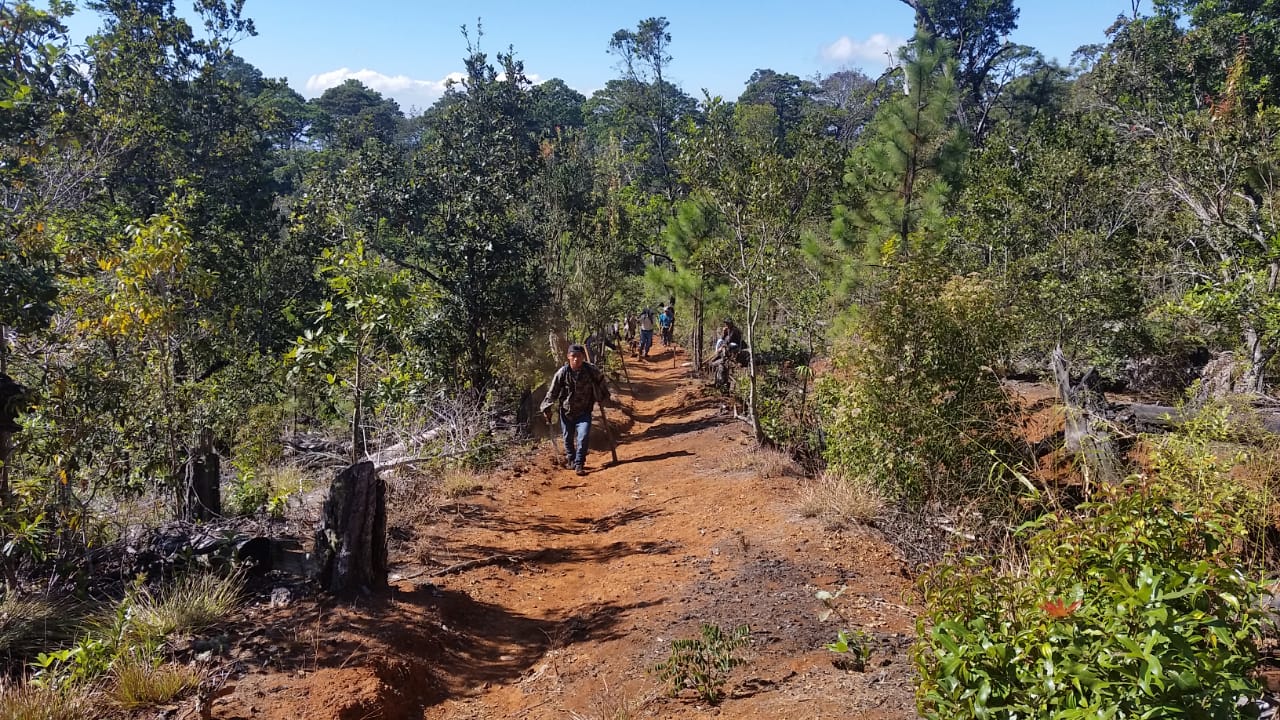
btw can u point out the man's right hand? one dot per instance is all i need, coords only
(546, 415)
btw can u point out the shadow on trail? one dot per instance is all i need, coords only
(556, 525)
(668, 429)
(490, 644)
(620, 518)
(688, 408)
(652, 458)
(516, 559)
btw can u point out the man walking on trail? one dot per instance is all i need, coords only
(646, 332)
(575, 388)
(664, 322)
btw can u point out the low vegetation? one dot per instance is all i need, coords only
(703, 663)
(1137, 601)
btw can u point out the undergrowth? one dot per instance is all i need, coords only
(1133, 605)
(703, 663)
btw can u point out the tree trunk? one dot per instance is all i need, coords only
(351, 542)
(357, 414)
(13, 400)
(1085, 437)
(1254, 378)
(202, 473)
(698, 319)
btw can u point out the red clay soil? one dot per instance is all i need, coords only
(581, 583)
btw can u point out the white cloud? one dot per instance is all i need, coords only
(879, 50)
(406, 91)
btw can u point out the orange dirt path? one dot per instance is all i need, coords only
(585, 583)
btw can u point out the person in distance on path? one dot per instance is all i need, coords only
(575, 388)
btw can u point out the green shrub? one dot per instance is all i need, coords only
(247, 494)
(703, 663)
(257, 441)
(914, 405)
(1133, 607)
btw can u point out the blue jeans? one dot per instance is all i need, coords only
(646, 341)
(574, 429)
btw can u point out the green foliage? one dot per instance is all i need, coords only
(246, 494)
(1133, 606)
(853, 647)
(1044, 216)
(897, 183)
(703, 663)
(914, 405)
(74, 666)
(257, 438)
(452, 213)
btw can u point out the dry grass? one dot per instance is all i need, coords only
(763, 462)
(139, 682)
(193, 603)
(31, 624)
(841, 501)
(610, 704)
(460, 482)
(27, 702)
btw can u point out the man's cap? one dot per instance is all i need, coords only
(577, 349)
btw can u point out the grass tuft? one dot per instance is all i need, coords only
(193, 603)
(28, 702)
(460, 482)
(28, 625)
(764, 462)
(140, 682)
(841, 501)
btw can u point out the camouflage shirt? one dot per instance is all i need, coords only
(576, 393)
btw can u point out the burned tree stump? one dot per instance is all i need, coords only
(14, 400)
(351, 543)
(201, 497)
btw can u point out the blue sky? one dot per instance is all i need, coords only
(408, 49)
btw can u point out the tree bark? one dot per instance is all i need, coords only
(1085, 436)
(351, 542)
(202, 475)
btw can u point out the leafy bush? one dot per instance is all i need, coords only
(1135, 607)
(914, 405)
(247, 494)
(703, 663)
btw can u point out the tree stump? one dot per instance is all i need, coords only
(1086, 436)
(351, 543)
(202, 475)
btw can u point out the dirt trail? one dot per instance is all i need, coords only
(584, 581)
